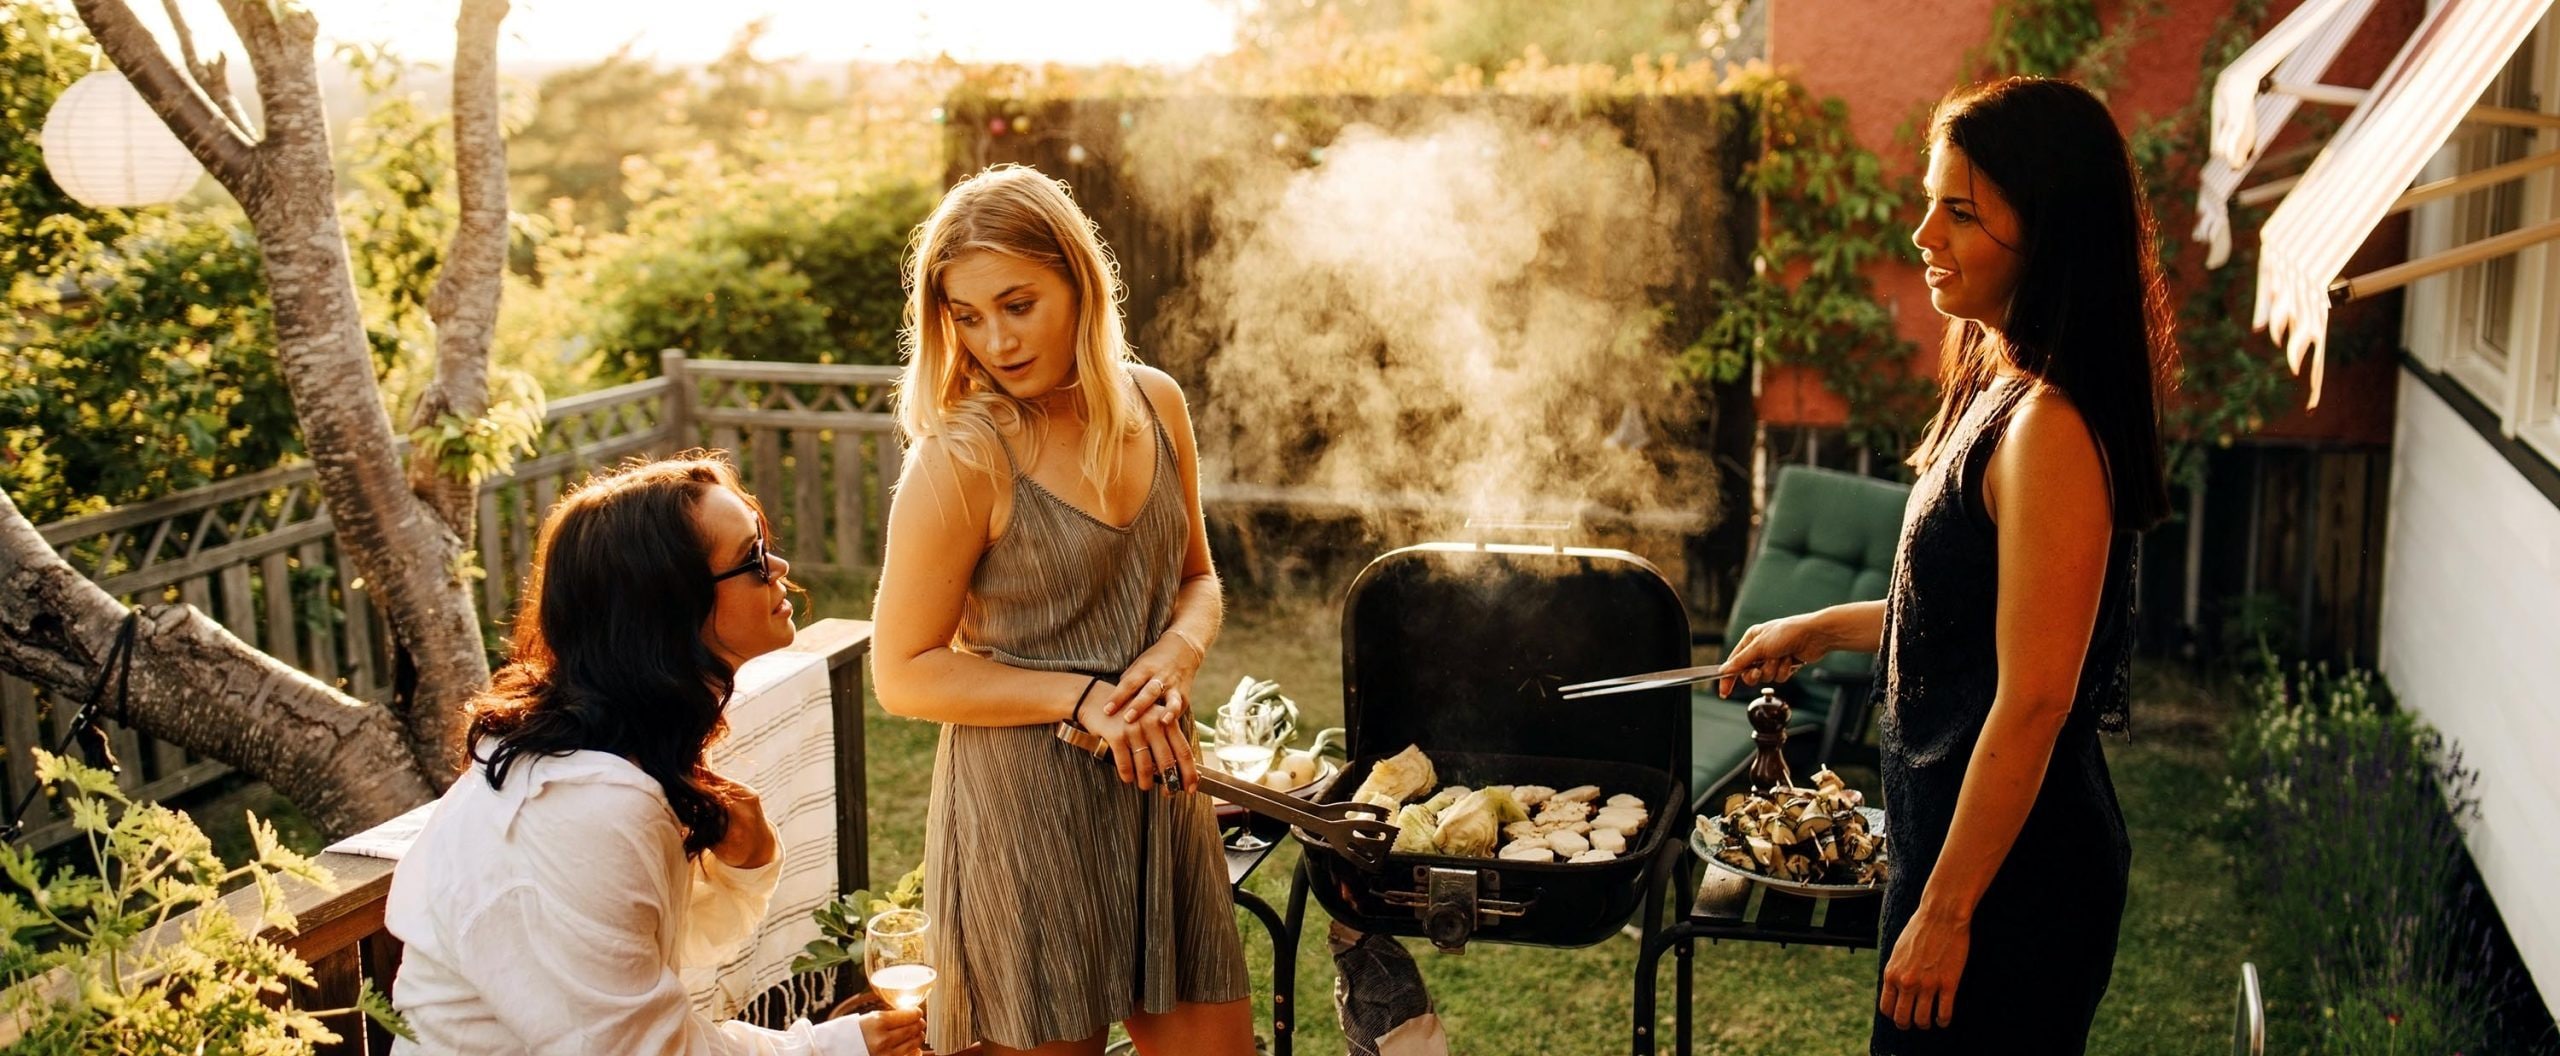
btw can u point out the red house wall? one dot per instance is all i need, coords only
(1890, 62)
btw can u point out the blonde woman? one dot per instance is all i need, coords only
(1047, 564)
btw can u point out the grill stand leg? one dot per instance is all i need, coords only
(1284, 955)
(1685, 952)
(1284, 958)
(1674, 863)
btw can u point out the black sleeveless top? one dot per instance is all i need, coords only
(2044, 934)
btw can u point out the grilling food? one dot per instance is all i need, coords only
(1470, 828)
(1396, 779)
(1445, 799)
(1809, 835)
(1416, 831)
(1497, 821)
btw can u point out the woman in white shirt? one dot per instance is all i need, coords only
(588, 854)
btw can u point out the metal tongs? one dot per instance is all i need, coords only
(1352, 828)
(1633, 683)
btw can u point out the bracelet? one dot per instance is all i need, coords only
(1188, 640)
(1078, 706)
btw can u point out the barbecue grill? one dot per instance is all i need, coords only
(1460, 648)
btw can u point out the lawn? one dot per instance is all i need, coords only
(2184, 934)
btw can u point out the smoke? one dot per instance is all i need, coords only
(1450, 312)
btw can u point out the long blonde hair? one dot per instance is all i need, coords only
(1019, 212)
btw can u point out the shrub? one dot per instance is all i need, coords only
(85, 972)
(774, 267)
(2348, 818)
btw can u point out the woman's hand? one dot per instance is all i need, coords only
(1149, 738)
(1770, 653)
(1167, 669)
(1171, 661)
(893, 1032)
(1919, 989)
(749, 843)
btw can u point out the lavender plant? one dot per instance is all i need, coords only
(99, 961)
(2349, 814)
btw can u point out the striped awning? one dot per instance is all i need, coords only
(2429, 87)
(2247, 117)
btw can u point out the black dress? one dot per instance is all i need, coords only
(2043, 941)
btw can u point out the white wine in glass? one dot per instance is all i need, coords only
(1246, 762)
(894, 956)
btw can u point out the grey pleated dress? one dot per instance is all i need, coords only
(1063, 899)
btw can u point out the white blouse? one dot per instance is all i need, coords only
(553, 916)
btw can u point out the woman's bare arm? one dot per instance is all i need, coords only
(938, 528)
(1853, 627)
(1199, 606)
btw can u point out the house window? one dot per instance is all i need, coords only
(2486, 294)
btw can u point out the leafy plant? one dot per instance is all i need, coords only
(93, 963)
(785, 264)
(1829, 210)
(840, 924)
(2350, 813)
(476, 449)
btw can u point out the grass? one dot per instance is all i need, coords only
(2184, 934)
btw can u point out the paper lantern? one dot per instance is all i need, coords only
(106, 149)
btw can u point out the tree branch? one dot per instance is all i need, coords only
(223, 147)
(280, 55)
(214, 78)
(464, 303)
(346, 763)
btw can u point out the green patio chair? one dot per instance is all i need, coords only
(1828, 538)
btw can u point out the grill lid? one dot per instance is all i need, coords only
(1459, 647)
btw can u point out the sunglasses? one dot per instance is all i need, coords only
(756, 561)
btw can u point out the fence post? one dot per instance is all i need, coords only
(679, 413)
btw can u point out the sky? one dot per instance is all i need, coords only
(688, 31)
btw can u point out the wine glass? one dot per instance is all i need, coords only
(894, 955)
(1248, 739)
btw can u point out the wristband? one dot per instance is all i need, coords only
(1078, 706)
(1188, 640)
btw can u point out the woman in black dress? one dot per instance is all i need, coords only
(2005, 636)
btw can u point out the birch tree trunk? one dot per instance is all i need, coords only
(407, 533)
(196, 685)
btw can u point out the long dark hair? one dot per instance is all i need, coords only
(2090, 316)
(608, 653)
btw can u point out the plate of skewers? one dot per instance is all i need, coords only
(1818, 842)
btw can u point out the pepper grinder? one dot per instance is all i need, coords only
(1768, 717)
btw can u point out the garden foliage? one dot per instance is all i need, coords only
(2348, 817)
(96, 959)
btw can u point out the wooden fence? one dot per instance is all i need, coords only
(260, 554)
